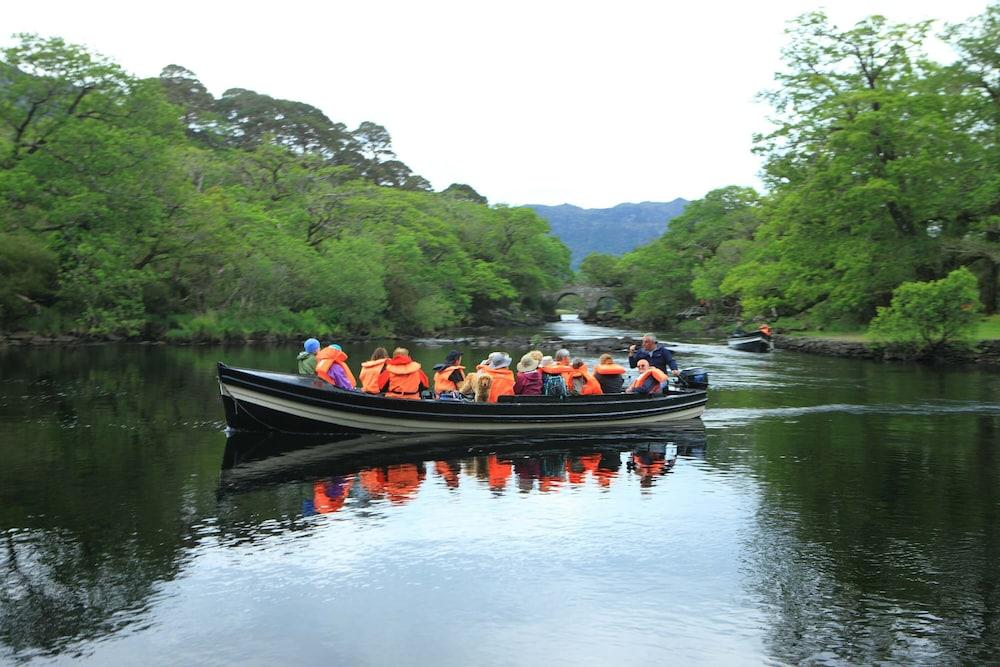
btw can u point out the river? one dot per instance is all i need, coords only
(824, 511)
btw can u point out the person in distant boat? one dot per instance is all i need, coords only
(529, 378)
(657, 355)
(497, 367)
(765, 329)
(331, 365)
(402, 377)
(584, 384)
(307, 358)
(610, 375)
(371, 369)
(651, 379)
(449, 375)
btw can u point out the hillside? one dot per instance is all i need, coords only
(613, 230)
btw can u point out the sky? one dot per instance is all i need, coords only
(541, 102)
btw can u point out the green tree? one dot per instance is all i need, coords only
(929, 315)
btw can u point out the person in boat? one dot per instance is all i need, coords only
(552, 379)
(561, 367)
(651, 379)
(529, 378)
(657, 355)
(371, 369)
(584, 384)
(610, 375)
(307, 358)
(765, 329)
(497, 367)
(402, 377)
(449, 375)
(331, 365)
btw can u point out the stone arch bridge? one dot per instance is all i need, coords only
(592, 297)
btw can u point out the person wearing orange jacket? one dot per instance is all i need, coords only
(610, 375)
(402, 377)
(584, 384)
(650, 380)
(765, 329)
(497, 367)
(449, 375)
(371, 369)
(331, 365)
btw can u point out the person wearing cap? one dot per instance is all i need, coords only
(449, 375)
(402, 377)
(307, 358)
(331, 365)
(609, 374)
(497, 367)
(371, 369)
(552, 379)
(584, 384)
(529, 378)
(657, 355)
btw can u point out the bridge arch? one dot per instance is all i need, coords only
(591, 296)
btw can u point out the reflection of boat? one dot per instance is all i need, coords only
(263, 459)
(756, 341)
(265, 401)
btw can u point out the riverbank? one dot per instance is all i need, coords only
(983, 352)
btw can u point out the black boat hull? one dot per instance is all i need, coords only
(265, 401)
(757, 342)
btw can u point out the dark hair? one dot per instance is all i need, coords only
(380, 353)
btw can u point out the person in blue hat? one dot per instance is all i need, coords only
(307, 358)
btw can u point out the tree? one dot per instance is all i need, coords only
(463, 191)
(929, 315)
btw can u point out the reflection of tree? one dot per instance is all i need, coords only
(878, 540)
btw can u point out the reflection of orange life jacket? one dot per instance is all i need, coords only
(402, 378)
(659, 375)
(399, 482)
(591, 386)
(449, 474)
(329, 356)
(578, 467)
(498, 472)
(565, 371)
(370, 370)
(323, 502)
(764, 329)
(441, 381)
(503, 382)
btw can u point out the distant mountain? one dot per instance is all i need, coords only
(614, 230)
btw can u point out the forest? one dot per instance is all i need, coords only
(148, 208)
(882, 175)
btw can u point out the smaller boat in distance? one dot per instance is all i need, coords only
(753, 341)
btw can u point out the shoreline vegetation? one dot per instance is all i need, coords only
(150, 210)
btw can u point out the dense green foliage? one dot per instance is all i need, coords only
(883, 168)
(142, 207)
(928, 315)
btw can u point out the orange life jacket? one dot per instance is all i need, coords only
(565, 371)
(609, 369)
(503, 382)
(441, 381)
(370, 370)
(402, 378)
(329, 356)
(591, 387)
(656, 373)
(764, 329)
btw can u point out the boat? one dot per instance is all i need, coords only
(258, 400)
(755, 341)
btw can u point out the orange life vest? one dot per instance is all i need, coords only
(503, 382)
(402, 378)
(609, 369)
(565, 371)
(659, 375)
(764, 329)
(441, 381)
(370, 370)
(329, 356)
(591, 387)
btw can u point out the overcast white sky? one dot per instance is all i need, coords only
(590, 103)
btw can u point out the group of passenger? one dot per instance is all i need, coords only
(399, 376)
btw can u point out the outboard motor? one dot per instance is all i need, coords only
(694, 378)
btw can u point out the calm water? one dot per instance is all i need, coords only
(825, 511)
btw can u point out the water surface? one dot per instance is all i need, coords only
(824, 511)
